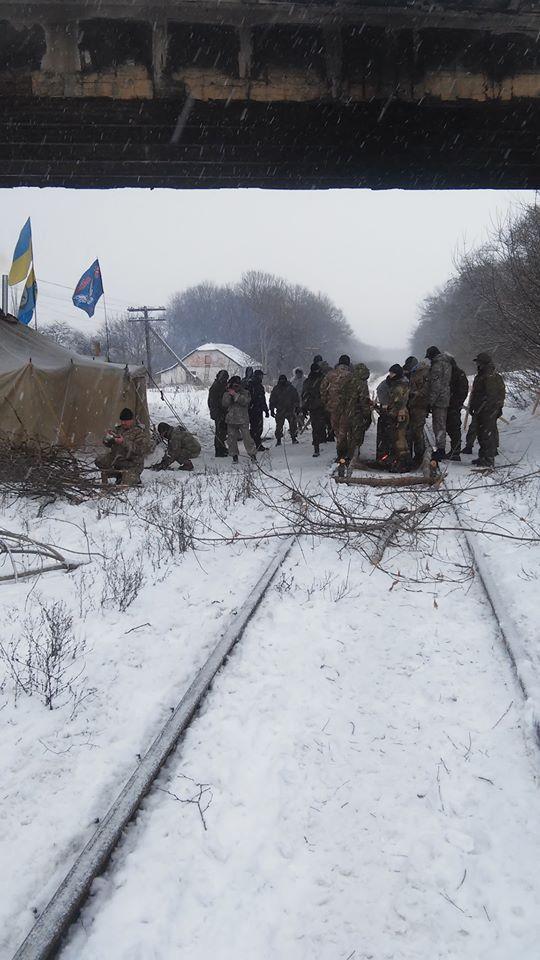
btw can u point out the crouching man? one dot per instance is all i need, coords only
(127, 445)
(182, 447)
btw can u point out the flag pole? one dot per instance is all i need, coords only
(35, 277)
(106, 318)
(107, 329)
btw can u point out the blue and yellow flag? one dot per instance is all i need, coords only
(28, 299)
(22, 258)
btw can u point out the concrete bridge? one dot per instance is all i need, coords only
(269, 93)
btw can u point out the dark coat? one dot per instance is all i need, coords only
(311, 392)
(459, 387)
(215, 397)
(257, 393)
(284, 399)
(488, 392)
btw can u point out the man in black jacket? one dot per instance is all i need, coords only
(459, 388)
(217, 413)
(313, 405)
(257, 408)
(284, 405)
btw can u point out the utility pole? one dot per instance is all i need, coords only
(146, 319)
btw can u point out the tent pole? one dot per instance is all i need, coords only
(5, 304)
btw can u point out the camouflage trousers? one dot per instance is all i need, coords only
(118, 468)
(393, 439)
(341, 428)
(236, 432)
(438, 418)
(357, 435)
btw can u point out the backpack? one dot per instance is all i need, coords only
(459, 386)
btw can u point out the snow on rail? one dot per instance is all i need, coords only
(46, 934)
(508, 630)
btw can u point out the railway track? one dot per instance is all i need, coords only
(45, 937)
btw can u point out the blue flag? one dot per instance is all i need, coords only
(28, 299)
(89, 289)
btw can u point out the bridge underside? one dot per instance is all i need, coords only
(269, 94)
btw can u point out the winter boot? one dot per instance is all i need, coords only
(186, 465)
(455, 457)
(235, 458)
(316, 450)
(261, 449)
(294, 439)
(484, 462)
(278, 442)
(467, 450)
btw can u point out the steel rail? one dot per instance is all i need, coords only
(506, 627)
(48, 931)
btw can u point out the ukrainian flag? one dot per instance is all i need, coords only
(28, 299)
(22, 258)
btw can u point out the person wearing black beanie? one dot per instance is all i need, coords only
(127, 445)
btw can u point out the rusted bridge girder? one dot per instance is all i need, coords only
(270, 93)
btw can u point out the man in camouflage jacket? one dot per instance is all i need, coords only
(335, 397)
(358, 408)
(182, 447)
(486, 403)
(440, 377)
(235, 402)
(392, 427)
(127, 445)
(418, 376)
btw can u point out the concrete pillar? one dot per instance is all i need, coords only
(160, 49)
(245, 53)
(333, 48)
(62, 55)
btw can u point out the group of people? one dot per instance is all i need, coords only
(404, 400)
(437, 385)
(338, 403)
(238, 408)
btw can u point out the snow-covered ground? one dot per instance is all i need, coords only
(369, 795)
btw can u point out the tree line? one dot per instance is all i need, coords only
(492, 303)
(280, 324)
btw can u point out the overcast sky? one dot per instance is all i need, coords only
(376, 254)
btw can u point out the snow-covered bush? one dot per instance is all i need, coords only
(124, 577)
(46, 658)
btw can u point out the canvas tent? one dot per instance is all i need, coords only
(56, 396)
